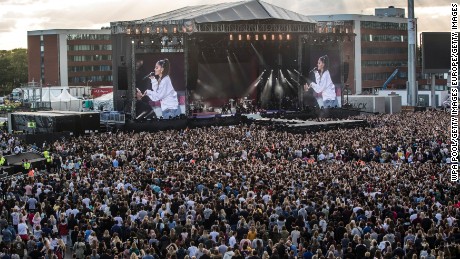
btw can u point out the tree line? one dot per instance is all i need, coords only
(13, 69)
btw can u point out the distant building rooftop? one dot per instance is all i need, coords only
(391, 11)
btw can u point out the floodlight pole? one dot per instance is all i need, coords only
(412, 90)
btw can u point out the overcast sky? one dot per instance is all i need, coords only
(19, 16)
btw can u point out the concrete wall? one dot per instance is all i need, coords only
(440, 95)
(368, 103)
(393, 104)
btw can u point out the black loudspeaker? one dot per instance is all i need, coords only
(122, 78)
(193, 61)
(346, 68)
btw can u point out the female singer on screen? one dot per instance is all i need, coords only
(163, 90)
(324, 83)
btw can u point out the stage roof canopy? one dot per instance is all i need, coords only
(227, 12)
(252, 16)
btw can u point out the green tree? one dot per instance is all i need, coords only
(13, 69)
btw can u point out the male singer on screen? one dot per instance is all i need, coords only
(324, 83)
(162, 90)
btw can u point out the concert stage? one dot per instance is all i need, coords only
(304, 120)
(301, 126)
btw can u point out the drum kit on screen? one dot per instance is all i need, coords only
(197, 106)
(239, 105)
(245, 105)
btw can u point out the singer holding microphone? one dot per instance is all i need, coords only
(323, 83)
(162, 90)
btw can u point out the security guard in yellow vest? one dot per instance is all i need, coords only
(2, 160)
(49, 162)
(46, 153)
(26, 165)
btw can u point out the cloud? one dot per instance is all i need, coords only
(24, 15)
(7, 25)
(16, 2)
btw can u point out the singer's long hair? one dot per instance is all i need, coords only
(165, 64)
(325, 60)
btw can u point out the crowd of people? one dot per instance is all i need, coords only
(241, 191)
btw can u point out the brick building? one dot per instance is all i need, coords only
(66, 57)
(379, 48)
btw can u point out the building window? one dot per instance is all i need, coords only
(90, 58)
(89, 47)
(83, 79)
(89, 68)
(384, 63)
(382, 37)
(376, 76)
(88, 37)
(384, 51)
(384, 25)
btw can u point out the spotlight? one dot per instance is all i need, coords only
(257, 36)
(147, 30)
(158, 29)
(175, 29)
(288, 37)
(273, 36)
(132, 41)
(239, 37)
(231, 36)
(264, 36)
(248, 37)
(280, 37)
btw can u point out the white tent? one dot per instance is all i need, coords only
(105, 101)
(47, 96)
(66, 102)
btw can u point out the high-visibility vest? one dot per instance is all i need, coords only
(2, 161)
(46, 154)
(26, 165)
(49, 159)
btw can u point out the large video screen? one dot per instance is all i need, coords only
(335, 68)
(219, 82)
(145, 63)
(436, 52)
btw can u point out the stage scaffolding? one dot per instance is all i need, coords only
(183, 29)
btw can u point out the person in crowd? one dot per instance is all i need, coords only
(363, 200)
